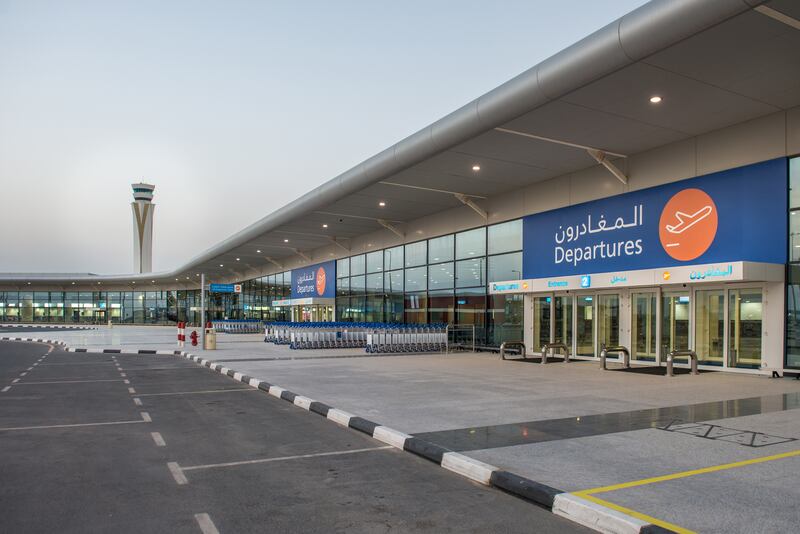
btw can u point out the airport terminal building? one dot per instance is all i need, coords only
(639, 188)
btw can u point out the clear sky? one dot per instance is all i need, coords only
(232, 108)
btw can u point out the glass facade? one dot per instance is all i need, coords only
(793, 270)
(442, 279)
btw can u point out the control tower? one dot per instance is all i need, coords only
(143, 208)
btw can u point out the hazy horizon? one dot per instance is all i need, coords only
(231, 109)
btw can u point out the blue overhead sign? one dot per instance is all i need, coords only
(734, 215)
(225, 288)
(314, 281)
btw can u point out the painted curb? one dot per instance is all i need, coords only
(561, 503)
(46, 325)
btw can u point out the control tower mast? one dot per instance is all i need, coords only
(143, 209)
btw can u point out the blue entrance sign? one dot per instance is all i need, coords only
(734, 215)
(225, 288)
(314, 281)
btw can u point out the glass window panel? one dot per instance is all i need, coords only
(709, 326)
(505, 267)
(375, 283)
(471, 311)
(342, 267)
(441, 276)
(357, 265)
(358, 284)
(744, 328)
(416, 254)
(471, 273)
(505, 318)
(440, 249)
(471, 244)
(415, 308)
(505, 237)
(375, 261)
(393, 282)
(441, 307)
(416, 279)
(793, 318)
(393, 258)
(794, 183)
(342, 287)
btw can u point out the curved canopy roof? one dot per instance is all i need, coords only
(721, 62)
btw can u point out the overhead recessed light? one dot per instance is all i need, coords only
(285, 240)
(221, 265)
(381, 203)
(152, 281)
(655, 99)
(198, 274)
(237, 259)
(29, 283)
(133, 282)
(258, 252)
(73, 283)
(325, 225)
(176, 279)
(476, 168)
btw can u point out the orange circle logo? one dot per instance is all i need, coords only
(321, 279)
(688, 224)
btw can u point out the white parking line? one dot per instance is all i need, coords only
(285, 458)
(29, 369)
(177, 473)
(158, 439)
(15, 381)
(205, 523)
(195, 392)
(67, 382)
(137, 401)
(146, 417)
(44, 427)
(23, 373)
(123, 375)
(132, 391)
(6, 389)
(126, 381)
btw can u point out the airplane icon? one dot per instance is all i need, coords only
(686, 221)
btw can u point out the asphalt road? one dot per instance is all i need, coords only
(128, 443)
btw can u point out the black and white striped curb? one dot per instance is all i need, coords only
(130, 351)
(46, 325)
(561, 503)
(567, 505)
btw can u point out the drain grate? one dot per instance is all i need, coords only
(721, 433)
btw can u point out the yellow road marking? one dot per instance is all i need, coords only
(638, 515)
(589, 493)
(684, 474)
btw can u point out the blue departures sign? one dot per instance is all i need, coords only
(734, 215)
(314, 281)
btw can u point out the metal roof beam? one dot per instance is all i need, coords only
(467, 201)
(389, 226)
(273, 262)
(301, 254)
(335, 242)
(602, 158)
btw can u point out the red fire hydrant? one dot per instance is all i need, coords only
(194, 338)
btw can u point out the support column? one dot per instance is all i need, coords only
(203, 311)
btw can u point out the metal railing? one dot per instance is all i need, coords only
(554, 347)
(692, 359)
(619, 349)
(508, 344)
